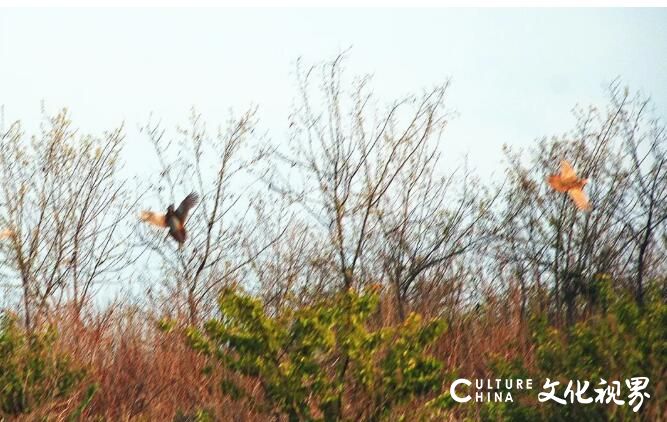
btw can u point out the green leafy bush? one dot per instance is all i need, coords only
(321, 361)
(620, 340)
(32, 373)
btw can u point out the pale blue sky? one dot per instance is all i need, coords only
(516, 73)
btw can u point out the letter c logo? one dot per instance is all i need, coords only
(452, 390)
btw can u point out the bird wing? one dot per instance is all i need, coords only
(567, 173)
(185, 207)
(154, 218)
(555, 182)
(580, 199)
(6, 233)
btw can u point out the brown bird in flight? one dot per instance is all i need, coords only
(567, 181)
(174, 219)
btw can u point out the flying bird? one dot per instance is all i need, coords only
(174, 219)
(567, 181)
(6, 233)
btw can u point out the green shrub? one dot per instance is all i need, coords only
(32, 373)
(313, 362)
(619, 341)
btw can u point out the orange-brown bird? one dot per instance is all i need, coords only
(174, 219)
(567, 181)
(6, 233)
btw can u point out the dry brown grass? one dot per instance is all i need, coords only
(144, 373)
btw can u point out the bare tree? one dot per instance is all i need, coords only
(646, 143)
(369, 182)
(217, 166)
(547, 244)
(67, 207)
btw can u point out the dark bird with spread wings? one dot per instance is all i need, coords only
(174, 219)
(567, 181)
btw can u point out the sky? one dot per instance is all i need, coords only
(516, 73)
